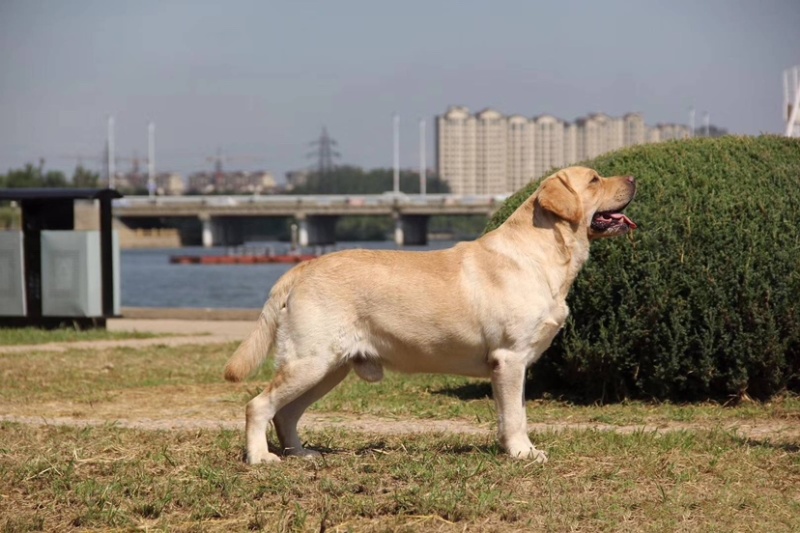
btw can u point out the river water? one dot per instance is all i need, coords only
(149, 280)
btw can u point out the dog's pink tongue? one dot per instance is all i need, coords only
(620, 216)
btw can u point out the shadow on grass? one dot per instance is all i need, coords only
(787, 447)
(468, 391)
(382, 447)
(482, 390)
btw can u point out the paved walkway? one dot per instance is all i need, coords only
(189, 327)
(225, 330)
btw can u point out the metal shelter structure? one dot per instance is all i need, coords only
(56, 275)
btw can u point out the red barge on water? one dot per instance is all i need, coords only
(247, 256)
(240, 259)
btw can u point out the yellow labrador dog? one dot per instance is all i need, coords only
(486, 308)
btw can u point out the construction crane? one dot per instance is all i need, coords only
(102, 161)
(80, 158)
(135, 161)
(219, 159)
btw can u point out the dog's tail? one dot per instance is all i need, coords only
(252, 352)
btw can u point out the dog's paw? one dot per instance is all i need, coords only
(538, 456)
(254, 458)
(528, 453)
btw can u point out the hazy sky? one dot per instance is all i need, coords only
(261, 78)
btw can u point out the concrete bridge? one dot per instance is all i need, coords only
(315, 215)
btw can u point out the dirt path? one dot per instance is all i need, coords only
(222, 407)
(367, 424)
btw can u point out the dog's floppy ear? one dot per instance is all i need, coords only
(555, 195)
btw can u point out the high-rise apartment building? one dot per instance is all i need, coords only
(635, 130)
(570, 145)
(490, 153)
(597, 134)
(549, 144)
(668, 132)
(456, 149)
(491, 148)
(520, 152)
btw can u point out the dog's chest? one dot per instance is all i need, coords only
(547, 328)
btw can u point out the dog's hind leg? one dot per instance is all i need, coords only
(287, 417)
(292, 380)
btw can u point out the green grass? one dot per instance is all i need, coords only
(84, 375)
(109, 478)
(18, 336)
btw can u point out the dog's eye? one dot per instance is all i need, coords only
(595, 179)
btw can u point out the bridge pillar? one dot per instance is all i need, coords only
(221, 231)
(410, 230)
(208, 232)
(316, 230)
(399, 234)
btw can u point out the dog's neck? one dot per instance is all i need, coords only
(558, 238)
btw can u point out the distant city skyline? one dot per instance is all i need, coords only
(489, 152)
(259, 80)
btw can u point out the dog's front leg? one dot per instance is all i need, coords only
(508, 386)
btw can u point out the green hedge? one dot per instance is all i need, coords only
(703, 301)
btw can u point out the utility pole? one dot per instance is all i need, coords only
(791, 100)
(423, 178)
(396, 187)
(110, 148)
(151, 159)
(691, 121)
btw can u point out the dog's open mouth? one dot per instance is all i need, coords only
(602, 222)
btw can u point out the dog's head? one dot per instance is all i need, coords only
(582, 197)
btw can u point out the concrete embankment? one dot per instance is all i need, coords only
(183, 313)
(218, 325)
(87, 217)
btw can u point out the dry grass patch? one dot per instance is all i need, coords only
(697, 477)
(109, 478)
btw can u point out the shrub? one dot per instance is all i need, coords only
(702, 301)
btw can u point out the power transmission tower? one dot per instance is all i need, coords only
(325, 153)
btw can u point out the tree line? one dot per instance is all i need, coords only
(348, 179)
(34, 176)
(345, 179)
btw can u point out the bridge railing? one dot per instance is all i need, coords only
(355, 200)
